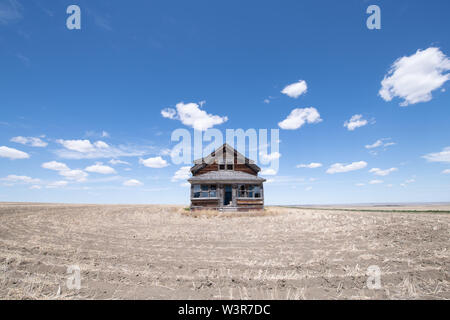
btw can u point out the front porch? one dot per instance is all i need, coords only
(227, 197)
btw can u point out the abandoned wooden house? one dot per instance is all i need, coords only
(226, 180)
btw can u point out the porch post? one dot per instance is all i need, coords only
(234, 195)
(221, 194)
(262, 193)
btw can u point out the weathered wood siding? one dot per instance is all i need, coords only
(208, 168)
(209, 203)
(237, 167)
(249, 202)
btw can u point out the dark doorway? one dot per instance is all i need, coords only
(228, 197)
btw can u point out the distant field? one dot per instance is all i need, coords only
(164, 252)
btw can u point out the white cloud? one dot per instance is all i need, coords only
(268, 172)
(65, 171)
(169, 113)
(57, 184)
(84, 149)
(102, 134)
(413, 78)
(191, 115)
(412, 180)
(117, 161)
(35, 187)
(296, 89)
(379, 172)
(100, 168)
(31, 141)
(388, 144)
(132, 183)
(360, 184)
(308, 188)
(375, 181)
(266, 101)
(54, 165)
(376, 144)
(446, 171)
(12, 153)
(82, 146)
(183, 173)
(165, 152)
(76, 174)
(265, 158)
(185, 184)
(101, 145)
(22, 179)
(339, 167)
(156, 162)
(312, 165)
(355, 121)
(298, 117)
(443, 156)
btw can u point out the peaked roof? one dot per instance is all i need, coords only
(202, 162)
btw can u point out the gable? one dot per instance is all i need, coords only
(224, 155)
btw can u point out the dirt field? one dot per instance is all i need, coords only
(162, 252)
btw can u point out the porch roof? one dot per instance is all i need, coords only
(226, 176)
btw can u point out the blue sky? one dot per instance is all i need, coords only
(108, 83)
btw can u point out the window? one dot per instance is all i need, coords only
(204, 191)
(226, 164)
(249, 191)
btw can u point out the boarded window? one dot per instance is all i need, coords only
(249, 191)
(205, 191)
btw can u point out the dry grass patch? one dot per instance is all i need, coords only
(269, 211)
(163, 252)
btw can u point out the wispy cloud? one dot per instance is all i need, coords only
(30, 141)
(85, 149)
(312, 165)
(379, 172)
(355, 121)
(443, 156)
(340, 167)
(380, 143)
(10, 11)
(12, 178)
